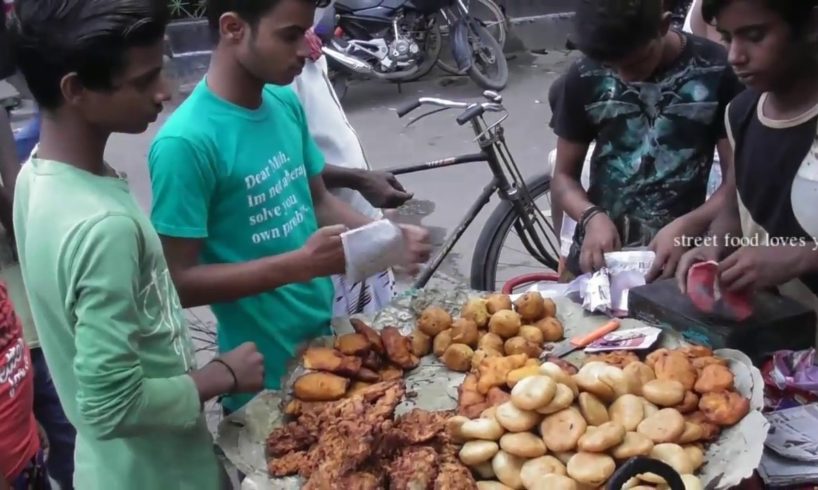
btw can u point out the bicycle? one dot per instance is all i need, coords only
(517, 214)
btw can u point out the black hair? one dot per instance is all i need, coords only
(249, 10)
(797, 13)
(609, 30)
(90, 37)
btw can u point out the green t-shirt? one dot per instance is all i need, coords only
(238, 179)
(112, 331)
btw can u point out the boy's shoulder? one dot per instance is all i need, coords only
(281, 95)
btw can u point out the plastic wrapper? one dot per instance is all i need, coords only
(241, 436)
(371, 249)
(791, 378)
(606, 290)
(631, 339)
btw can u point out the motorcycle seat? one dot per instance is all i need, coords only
(355, 5)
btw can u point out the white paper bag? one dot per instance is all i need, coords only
(372, 249)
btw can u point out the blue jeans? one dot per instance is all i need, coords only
(27, 138)
(49, 413)
(33, 476)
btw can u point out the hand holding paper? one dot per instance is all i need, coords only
(382, 244)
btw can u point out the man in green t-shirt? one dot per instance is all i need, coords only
(108, 318)
(238, 194)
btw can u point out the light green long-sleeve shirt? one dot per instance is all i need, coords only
(112, 330)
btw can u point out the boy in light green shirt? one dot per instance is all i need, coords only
(107, 314)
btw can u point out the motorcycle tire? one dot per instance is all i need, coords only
(432, 55)
(498, 80)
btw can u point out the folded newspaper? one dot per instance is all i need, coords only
(791, 450)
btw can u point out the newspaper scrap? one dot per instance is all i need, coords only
(372, 248)
(633, 339)
(791, 454)
(606, 290)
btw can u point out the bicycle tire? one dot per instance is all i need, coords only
(502, 34)
(495, 232)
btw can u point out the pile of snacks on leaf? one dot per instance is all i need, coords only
(488, 327)
(355, 362)
(556, 430)
(354, 444)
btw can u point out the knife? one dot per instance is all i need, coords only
(581, 341)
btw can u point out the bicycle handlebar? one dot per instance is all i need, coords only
(473, 109)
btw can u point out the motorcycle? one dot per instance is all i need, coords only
(400, 41)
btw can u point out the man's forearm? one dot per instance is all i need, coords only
(341, 178)
(332, 211)
(222, 283)
(570, 196)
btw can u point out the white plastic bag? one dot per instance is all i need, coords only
(372, 249)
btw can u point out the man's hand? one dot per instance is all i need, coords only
(754, 268)
(417, 244)
(691, 258)
(668, 249)
(383, 190)
(601, 237)
(247, 364)
(324, 252)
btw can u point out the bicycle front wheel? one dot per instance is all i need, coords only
(501, 253)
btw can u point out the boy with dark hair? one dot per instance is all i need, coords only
(238, 191)
(773, 127)
(653, 100)
(106, 312)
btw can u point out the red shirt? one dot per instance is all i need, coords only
(19, 439)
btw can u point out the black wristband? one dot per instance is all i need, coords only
(588, 214)
(232, 373)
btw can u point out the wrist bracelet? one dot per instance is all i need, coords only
(232, 373)
(588, 214)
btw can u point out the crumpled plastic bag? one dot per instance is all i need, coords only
(795, 370)
(371, 249)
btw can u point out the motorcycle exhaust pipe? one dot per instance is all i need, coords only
(362, 67)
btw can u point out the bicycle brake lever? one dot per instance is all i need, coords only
(413, 121)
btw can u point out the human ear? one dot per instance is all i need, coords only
(72, 89)
(232, 28)
(665, 23)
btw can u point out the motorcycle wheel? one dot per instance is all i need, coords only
(489, 67)
(433, 44)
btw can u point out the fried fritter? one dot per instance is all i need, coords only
(694, 351)
(724, 408)
(287, 464)
(619, 358)
(289, 438)
(494, 370)
(677, 367)
(390, 373)
(699, 363)
(711, 431)
(689, 404)
(452, 474)
(399, 348)
(714, 377)
(331, 360)
(415, 468)
(419, 426)
(320, 386)
(375, 342)
(353, 344)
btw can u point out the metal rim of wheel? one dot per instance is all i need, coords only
(496, 26)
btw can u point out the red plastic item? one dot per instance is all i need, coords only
(704, 291)
(516, 282)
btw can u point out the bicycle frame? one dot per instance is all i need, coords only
(495, 153)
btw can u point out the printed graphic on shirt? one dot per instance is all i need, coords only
(275, 209)
(160, 303)
(14, 364)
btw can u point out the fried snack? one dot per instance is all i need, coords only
(523, 444)
(551, 328)
(532, 334)
(494, 370)
(724, 408)
(519, 345)
(330, 360)
(561, 431)
(714, 377)
(477, 311)
(441, 342)
(710, 431)
(600, 439)
(654, 356)
(589, 379)
(531, 306)
(533, 392)
(563, 398)
(699, 363)
(421, 343)
(320, 386)
(399, 348)
(458, 357)
(481, 354)
(372, 360)
(496, 396)
(628, 410)
(696, 455)
(390, 372)
(674, 456)
(689, 404)
(516, 375)
(479, 451)
(370, 333)
(633, 444)
(560, 375)
(434, 320)
(491, 341)
(591, 469)
(498, 302)
(467, 394)
(483, 429)
(533, 470)
(465, 332)
(664, 392)
(507, 468)
(592, 409)
(693, 433)
(619, 358)
(352, 344)
(666, 425)
(564, 365)
(637, 374)
(505, 324)
(415, 467)
(676, 366)
(357, 387)
(367, 375)
(514, 419)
